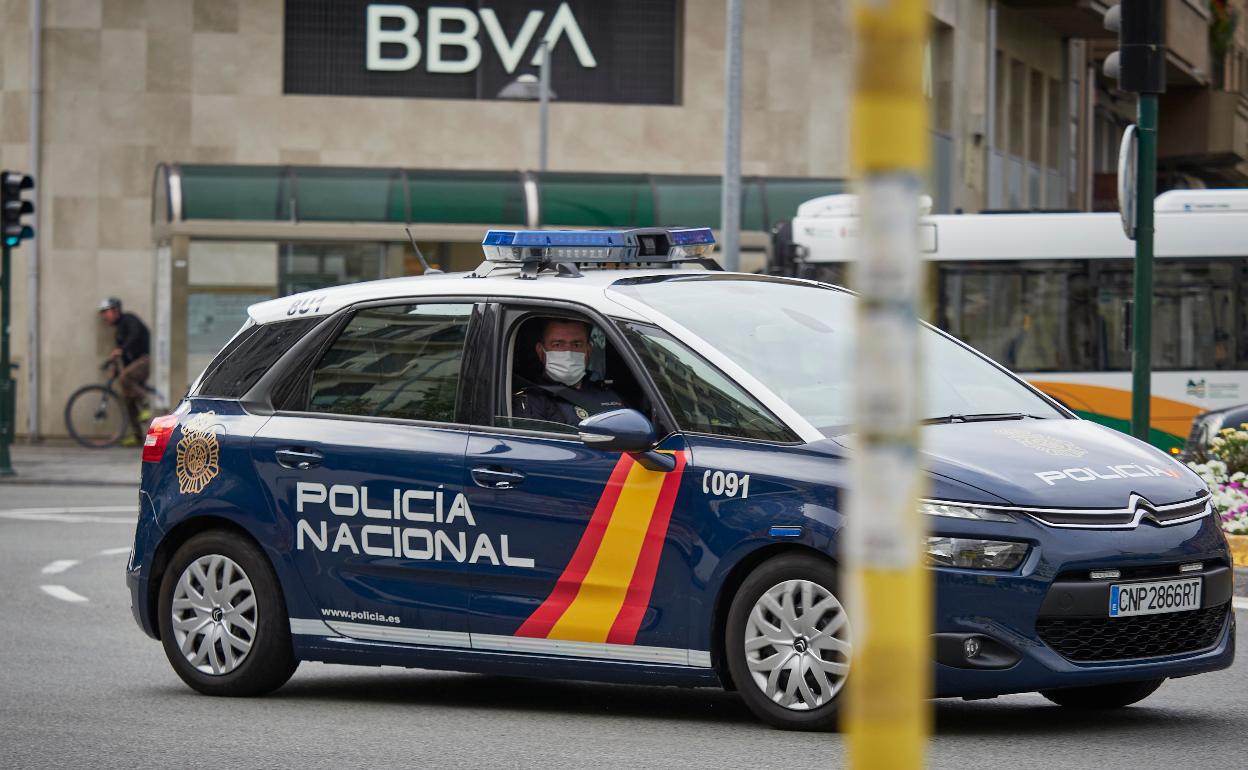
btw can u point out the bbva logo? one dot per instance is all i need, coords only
(451, 27)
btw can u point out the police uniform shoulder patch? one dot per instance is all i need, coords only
(198, 453)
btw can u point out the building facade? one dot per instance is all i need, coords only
(194, 156)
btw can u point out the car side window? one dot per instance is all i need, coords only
(400, 361)
(537, 401)
(249, 355)
(701, 398)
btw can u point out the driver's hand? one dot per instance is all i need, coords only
(116, 353)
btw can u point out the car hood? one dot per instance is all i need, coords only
(1053, 463)
(1056, 463)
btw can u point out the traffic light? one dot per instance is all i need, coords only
(13, 207)
(1139, 64)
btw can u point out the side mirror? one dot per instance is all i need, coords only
(626, 430)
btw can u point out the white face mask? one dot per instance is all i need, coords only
(565, 366)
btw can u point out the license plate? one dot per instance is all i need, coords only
(1154, 598)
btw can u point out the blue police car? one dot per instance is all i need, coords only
(598, 456)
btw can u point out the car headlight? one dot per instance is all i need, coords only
(970, 553)
(959, 511)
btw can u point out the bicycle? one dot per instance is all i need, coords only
(95, 415)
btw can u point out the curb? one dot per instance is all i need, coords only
(1241, 581)
(1239, 549)
(16, 481)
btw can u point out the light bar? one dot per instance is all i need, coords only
(651, 244)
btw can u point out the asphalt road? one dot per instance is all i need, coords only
(81, 686)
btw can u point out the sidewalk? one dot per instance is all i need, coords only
(57, 464)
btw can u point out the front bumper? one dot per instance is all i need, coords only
(1052, 590)
(147, 537)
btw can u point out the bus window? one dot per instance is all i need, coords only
(1198, 321)
(1031, 316)
(1069, 315)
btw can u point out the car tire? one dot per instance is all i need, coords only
(801, 627)
(229, 633)
(1105, 696)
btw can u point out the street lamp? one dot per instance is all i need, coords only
(528, 88)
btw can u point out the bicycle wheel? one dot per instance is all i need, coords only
(96, 416)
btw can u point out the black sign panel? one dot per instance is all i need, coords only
(622, 51)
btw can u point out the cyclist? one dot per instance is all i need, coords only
(131, 354)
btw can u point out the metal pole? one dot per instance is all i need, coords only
(730, 193)
(32, 256)
(7, 415)
(543, 96)
(1142, 323)
(990, 118)
(890, 606)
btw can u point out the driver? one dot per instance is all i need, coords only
(563, 393)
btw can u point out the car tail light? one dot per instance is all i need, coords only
(158, 435)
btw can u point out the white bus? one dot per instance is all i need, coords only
(1046, 295)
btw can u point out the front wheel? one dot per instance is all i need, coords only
(222, 617)
(1105, 696)
(96, 416)
(788, 643)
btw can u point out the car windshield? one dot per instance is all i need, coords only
(797, 339)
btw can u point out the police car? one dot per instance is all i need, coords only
(598, 456)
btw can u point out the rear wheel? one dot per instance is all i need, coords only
(222, 618)
(96, 416)
(788, 643)
(1105, 696)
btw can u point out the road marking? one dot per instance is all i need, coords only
(115, 551)
(81, 515)
(63, 593)
(60, 565)
(1240, 602)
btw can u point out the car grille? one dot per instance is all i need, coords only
(1108, 518)
(1141, 636)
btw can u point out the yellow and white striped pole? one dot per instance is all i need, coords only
(887, 711)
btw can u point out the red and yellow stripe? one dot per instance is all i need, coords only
(605, 589)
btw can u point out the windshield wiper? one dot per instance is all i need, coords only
(984, 417)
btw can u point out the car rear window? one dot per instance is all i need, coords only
(242, 362)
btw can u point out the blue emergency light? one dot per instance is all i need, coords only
(642, 244)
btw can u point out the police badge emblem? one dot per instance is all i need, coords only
(197, 454)
(582, 412)
(1042, 443)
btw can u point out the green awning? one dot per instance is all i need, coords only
(431, 196)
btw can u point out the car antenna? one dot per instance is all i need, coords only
(428, 270)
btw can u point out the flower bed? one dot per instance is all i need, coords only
(1230, 495)
(1226, 474)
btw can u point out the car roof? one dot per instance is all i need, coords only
(588, 289)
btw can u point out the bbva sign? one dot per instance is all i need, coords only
(452, 38)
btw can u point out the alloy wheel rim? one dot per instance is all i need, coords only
(797, 644)
(214, 614)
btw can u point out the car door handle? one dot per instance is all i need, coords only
(496, 478)
(299, 459)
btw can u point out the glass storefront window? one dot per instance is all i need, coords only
(305, 266)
